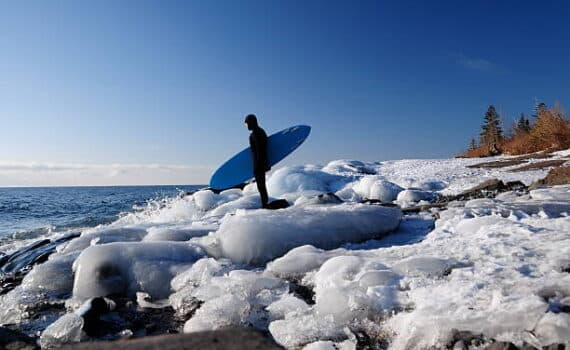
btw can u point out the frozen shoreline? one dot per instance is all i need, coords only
(486, 263)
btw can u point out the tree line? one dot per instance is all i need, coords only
(546, 129)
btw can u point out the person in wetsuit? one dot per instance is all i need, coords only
(258, 145)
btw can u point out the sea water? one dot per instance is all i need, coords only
(30, 212)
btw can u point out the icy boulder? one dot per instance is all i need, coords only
(67, 329)
(127, 268)
(206, 199)
(255, 237)
(236, 299)
(373, 187)
(303, 178)
(349, 287)
(412, 195)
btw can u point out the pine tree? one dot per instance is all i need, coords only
(539, 108)
(523, 124)
(472, 144)
(491, 132)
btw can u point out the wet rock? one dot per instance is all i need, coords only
(302, 292)
(12, 339)
(15, 266)
(467, 339)
(501, 345)
(278, 204)
(565, 305)
(233, 338)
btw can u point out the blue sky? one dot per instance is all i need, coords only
(156, 91)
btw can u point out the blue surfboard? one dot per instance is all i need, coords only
(239, 169)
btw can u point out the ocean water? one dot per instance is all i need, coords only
(34, 211)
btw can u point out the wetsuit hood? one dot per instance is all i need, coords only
(251, 121)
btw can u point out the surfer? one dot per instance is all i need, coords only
(258, 145)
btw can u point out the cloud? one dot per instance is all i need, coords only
(79, 174)
(475, 63)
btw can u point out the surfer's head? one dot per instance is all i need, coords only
(251, 121)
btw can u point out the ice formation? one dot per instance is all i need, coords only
(259, 236)
(125, 268)
(317, 274)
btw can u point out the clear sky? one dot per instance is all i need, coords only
(155, 92)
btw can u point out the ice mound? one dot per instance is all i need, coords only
(127, 268)
(255, 237)
(175, 233)
(54, 277)
(374, 187)
(206, 199)
(303, 178)
(349, 287)
(413, 195)
(238, 298)
(107, 235)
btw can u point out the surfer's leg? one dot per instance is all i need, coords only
(260, 180)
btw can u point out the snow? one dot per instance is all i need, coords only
(329, 267)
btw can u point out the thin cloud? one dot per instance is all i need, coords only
(33, 173)
(476, 63)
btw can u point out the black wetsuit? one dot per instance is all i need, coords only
(258, 145)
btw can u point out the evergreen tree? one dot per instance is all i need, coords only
(523, 125)
(491, 131)
(539, 108)
(472, 144)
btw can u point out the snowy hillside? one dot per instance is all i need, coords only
(332, 269)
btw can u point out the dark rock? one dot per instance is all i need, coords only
(12, 339)
(233, 338)
(91, 311)
(565, 304)
(302, 292)
(468, 338)
(278, 204)
(498, 164)
(13, 267)
(556, 176)
(540, 165)
(556, 347)
(501, 345)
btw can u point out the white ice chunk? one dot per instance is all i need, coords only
(286, 305)
(67, 329)
(415, 195)
(554, 193)
(303, 178)
(126, 268)
(174, 233)
(255, 237)
(374, 187)
(205, 200)
(553, 328)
